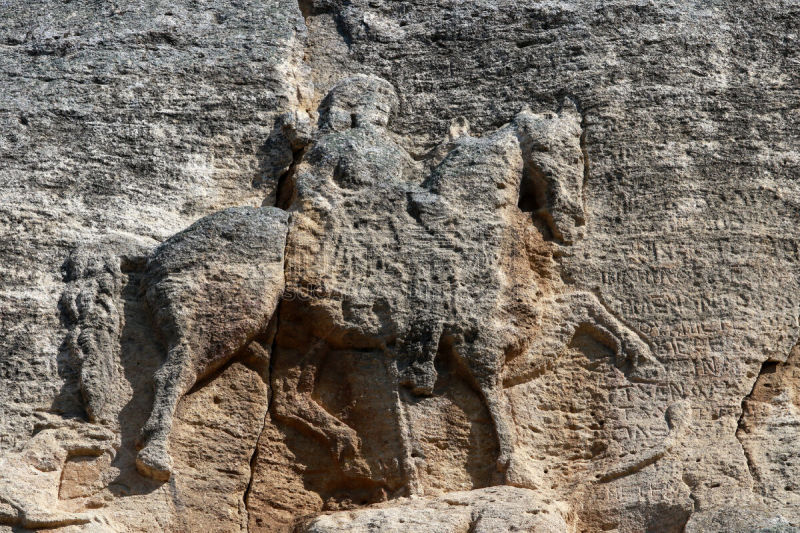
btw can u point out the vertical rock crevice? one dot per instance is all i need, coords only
(265, 375)
(767, 385)
(767, 367)
(273, 331)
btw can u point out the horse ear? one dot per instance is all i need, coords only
(569, 106)
(459, 127)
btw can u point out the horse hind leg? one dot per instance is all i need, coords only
(174, 379)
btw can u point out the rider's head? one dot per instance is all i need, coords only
(358, 101)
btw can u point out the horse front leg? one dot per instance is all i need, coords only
(626, 344)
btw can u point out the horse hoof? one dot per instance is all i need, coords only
(154, 462)
(503, 462)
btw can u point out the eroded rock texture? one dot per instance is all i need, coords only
(399, 266)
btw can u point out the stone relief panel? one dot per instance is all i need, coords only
(403, 325)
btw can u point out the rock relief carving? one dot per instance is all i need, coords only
(90, 306)
(369, 261)
(33, 481)
(451, 248)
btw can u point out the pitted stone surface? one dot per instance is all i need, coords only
(530, 265)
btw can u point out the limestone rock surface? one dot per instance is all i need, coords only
(363, 265)
(494, 509)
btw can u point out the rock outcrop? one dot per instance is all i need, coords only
(399, 266)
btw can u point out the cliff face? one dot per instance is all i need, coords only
(432, 265)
